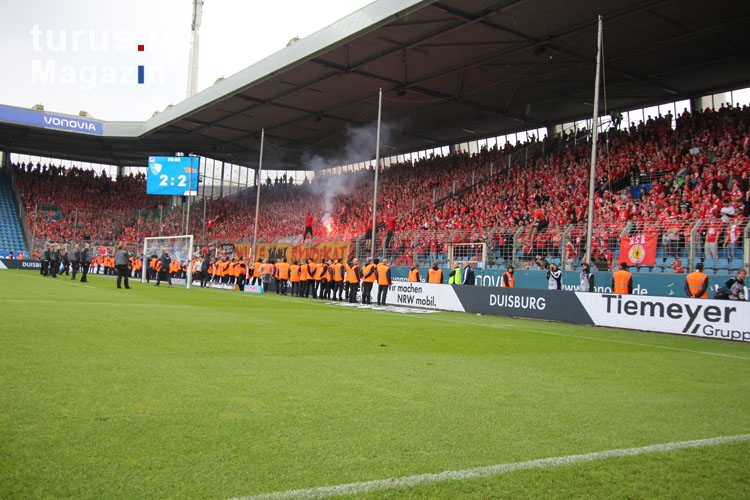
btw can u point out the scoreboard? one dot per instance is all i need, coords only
(173, 175)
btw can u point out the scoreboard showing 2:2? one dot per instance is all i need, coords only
(173, 175)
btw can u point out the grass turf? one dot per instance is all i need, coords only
(174, 393)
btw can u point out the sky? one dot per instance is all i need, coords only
(74, 55)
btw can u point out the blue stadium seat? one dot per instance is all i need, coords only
(722, 264)
(736, 264)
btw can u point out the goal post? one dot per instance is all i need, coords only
(468, 252)
(179, 249)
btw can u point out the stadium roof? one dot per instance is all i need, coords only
(450, 70)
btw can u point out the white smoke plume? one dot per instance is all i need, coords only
(360, 146)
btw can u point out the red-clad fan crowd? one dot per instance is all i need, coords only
(694, 168)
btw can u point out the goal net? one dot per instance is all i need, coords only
(180, 251)
(468, 252)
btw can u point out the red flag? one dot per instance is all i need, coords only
(638, 250)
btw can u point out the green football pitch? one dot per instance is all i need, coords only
(208, 394)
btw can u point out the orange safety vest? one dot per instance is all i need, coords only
(256, 269)
(414, 275)
(511, 280)
(368, 273)
(382, 271)
(294, 273)
(304, 272)
(695, 283)
(352, 274)
(435, 276)
(320, 271)
(282, 270)
(240, 269)
(338, 272)
(311, 267)
(621, 279)
(266, 268)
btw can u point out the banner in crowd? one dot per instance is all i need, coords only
(277, 251)
(638, 250)
(227, 249)
(50, 212)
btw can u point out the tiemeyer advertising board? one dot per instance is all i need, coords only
(718, 319)
(173, 175)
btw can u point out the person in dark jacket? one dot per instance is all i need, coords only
(468, 275)
(54, 260)
(75, 260)
(86, 259)
(122, 265)
(44, 258)
(204, 270)
(163, 273)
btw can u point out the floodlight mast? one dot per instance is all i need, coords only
(594, 138)
(373, 232)
(192, 82)
(257, 192)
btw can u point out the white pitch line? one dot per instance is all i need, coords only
(489, 471)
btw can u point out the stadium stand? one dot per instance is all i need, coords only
(11, 233)
(655, 177)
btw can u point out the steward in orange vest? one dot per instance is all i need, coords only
(509, 279)
(696, 283)
(353, 275)
(435, 274)
(282, 276)
(326, 279)
(321, 280)
(109, 265)
(267, 270)
(308, 286)
(304, 277)
(414, 276)
(368, 280)
(622, 280)
(338, 280)
(137, 265)
(151, 272)
(240, 273)
(383, 272)
(175, 268)
(256, 272)
(294, 272)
